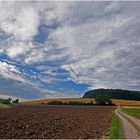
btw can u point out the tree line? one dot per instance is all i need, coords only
(8, 101)
(69, 103)
(100, 100)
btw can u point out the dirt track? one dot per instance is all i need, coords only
(130, 125)
(54, 122)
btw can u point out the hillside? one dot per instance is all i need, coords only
(114, 94)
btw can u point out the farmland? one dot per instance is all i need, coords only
(54, 122)
(37, 120)
(83, 100)
(133, 112)
(126, 102)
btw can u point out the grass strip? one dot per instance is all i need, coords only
(115, 128)
(132, 111)
(4, 106)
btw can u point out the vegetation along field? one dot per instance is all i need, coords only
(132, 111)
(85, 100)
(4, 106)
(115, 129)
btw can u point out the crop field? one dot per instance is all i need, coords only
(54, 122)
(132, 111)
(83, 100)
(126, 102)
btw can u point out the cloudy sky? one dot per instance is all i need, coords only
(62, 49)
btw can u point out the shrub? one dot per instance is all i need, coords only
(69, 103)
(7, 101)
(55, 103)
(16, 101)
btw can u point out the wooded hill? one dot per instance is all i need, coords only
(114, 94)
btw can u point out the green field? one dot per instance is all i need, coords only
(132, 111)
(4, 106)
(115, 130)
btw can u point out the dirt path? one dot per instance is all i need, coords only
(130, 125)
(136, 121)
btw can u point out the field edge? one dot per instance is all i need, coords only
(115, 130)
(135, 112)
(4, 106)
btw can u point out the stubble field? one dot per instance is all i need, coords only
(74, 122)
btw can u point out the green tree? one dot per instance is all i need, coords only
(7, 101)
(55, 103)
(103, 99)
(16, 101)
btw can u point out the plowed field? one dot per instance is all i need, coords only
(54, 122)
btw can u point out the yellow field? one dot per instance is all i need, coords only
(126, 102)
(138, 107)
(83, 100)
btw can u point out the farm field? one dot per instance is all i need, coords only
(54, 122)
(132, 111)
(84, 100)
(127, 103)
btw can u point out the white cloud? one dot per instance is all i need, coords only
(3, 96)
(92, 47)
(19, 19)
(10, 71)
(18, 48)
(97, 43)
(19, 24)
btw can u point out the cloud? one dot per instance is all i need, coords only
(94, 47)
(9, 71)
(19, 19)
(27, 92)
(3, 96)
(19, 72)
(91, 43)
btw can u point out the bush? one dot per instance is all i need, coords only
(16, 101)
(7, 101)
(55, 103)
(69, 103)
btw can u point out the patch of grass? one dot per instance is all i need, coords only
(132, 111)
(4, 106)
(115, 130)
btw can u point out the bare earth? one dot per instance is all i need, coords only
(130, 125)
(54, 122)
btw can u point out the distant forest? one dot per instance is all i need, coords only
(114, 94)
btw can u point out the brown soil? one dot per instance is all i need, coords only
(54, 122)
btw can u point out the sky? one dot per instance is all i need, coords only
(52, 49)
